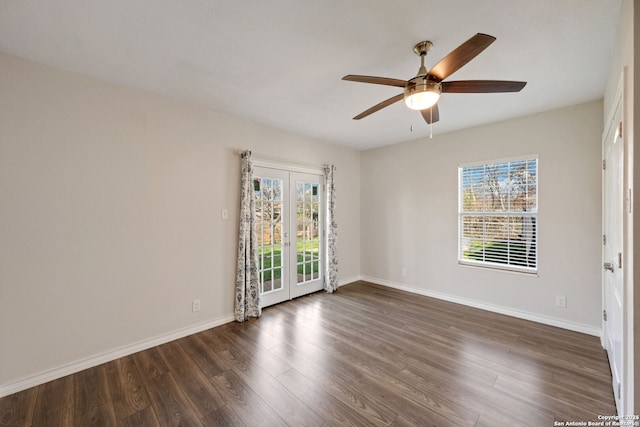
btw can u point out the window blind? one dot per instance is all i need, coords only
(498, 214)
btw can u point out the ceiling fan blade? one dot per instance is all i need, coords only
(431, 115)
(482, 86)
(375, 80)
(460, 56)
(379, 106)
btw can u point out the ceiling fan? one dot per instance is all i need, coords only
(423, 91)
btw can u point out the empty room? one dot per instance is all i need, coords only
(318, 213)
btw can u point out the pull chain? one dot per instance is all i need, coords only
(431, 123)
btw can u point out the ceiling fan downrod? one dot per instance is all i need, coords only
(421, 49)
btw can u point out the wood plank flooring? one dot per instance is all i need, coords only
(364, 356)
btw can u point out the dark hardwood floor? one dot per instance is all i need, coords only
(366, 355)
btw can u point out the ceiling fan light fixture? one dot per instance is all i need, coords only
(422, 94)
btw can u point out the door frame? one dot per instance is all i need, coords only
(292, 168)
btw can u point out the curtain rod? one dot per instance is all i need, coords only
(284, 162)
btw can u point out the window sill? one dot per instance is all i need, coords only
(498, 267)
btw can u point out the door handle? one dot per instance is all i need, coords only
(608, 266)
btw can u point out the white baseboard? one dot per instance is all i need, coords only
(577, 327)
(342, 282)
(59, 372)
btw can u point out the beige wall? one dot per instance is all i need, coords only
(409, 216)
(110, 214)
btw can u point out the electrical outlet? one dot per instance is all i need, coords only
(561, 301)
(195, 305)
(404, 272)
(225, 214)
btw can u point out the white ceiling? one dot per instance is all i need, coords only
(280, 62)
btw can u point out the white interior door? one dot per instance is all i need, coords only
(289, 217)
(613, 187)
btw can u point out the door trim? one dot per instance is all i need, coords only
(620, 101)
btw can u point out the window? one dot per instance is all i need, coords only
(498, 214)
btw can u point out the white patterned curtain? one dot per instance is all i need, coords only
(247, 280)
(331, 265)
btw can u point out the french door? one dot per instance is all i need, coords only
(289, 218)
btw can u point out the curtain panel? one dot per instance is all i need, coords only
(247, 302)
(331, 265)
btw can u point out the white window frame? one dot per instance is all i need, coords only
(533, 229)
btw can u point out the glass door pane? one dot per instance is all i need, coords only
(307, 238)
(307, 226)
(271, 199)
(269, 219)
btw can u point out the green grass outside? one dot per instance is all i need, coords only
(271, 261)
